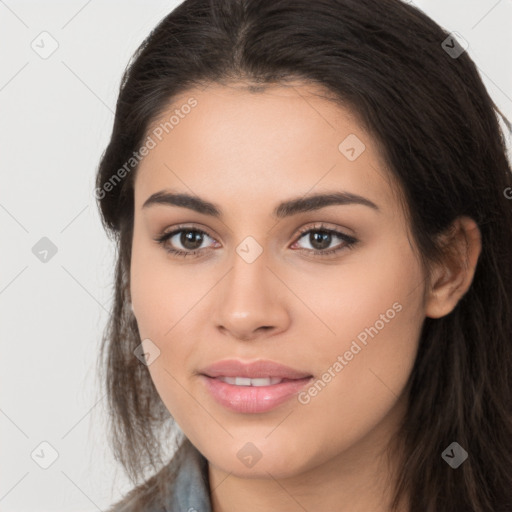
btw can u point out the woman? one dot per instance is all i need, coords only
(311, 202)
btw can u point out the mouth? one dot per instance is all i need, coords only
(254, 387)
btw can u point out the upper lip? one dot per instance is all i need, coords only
(252, 370)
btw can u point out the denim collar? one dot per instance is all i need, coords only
(191, 489)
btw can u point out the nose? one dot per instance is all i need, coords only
(252, 303)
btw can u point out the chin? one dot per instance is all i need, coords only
(261, 457)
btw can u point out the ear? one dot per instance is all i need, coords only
(453, 276)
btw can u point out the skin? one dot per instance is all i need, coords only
(246, 152)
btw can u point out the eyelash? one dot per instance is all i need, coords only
(349, 240)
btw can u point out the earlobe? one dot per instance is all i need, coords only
(453, 276)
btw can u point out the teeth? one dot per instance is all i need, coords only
(244, 381)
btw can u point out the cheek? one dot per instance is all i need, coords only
(161, 304)
(377, 317)
(365, 379)
(374, 294)
(166, 301)
(162, 292)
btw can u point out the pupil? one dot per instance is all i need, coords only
(193, 237)
(322, 237)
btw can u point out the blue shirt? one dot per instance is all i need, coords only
(184, 482)
(191, 492)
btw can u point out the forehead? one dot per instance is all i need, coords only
(282, 139)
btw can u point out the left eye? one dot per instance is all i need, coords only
(321, 238)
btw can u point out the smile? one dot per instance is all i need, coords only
(252, 396)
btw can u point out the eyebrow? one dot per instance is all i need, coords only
(284, 209)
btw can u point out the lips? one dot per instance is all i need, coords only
(254, 370)
(252, 387)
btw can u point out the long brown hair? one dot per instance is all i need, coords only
(440, 135)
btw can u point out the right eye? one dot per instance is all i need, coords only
(190, 239)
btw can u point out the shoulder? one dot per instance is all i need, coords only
(146, 497)
(181, 485)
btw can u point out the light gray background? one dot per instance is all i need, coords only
(55, 119)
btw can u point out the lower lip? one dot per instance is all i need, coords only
(253, 399)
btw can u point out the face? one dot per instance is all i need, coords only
(330, 288)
